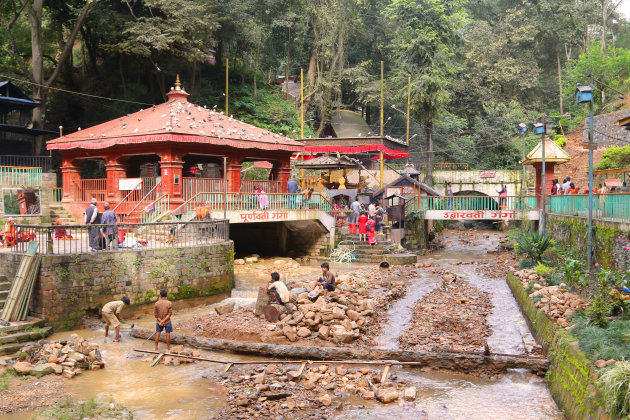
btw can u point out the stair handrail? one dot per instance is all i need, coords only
(156, 202)
(158, 184)
(127, 196)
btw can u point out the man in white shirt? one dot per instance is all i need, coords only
(278, 289)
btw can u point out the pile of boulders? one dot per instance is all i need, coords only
(317, 390)
(556, 301)
(67, 357)
(176, 361)
(342, 317)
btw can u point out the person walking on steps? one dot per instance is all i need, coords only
(91, 218)
(111, 315)
(369, 229)
(163, 311)
(356, 211)
(362, 221)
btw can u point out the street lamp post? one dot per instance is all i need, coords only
(543, 128)
(585, 94)
(521, 129)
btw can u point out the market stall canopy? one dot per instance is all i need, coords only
(553, 153)
(328, 162)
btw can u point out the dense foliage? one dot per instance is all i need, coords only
(615, 157)
(477, 68)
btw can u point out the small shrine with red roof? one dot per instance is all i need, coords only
(169, 141)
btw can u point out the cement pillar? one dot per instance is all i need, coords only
(281, 171)
(172, 167)
(549, 176)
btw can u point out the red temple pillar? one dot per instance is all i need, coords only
(549, 176)
(281, 173)
(172, 168)
(234, 174)
(115, 172)
(69, 175)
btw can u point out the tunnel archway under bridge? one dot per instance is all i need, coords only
(302, 238)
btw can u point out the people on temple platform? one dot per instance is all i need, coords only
(60, 232)
(10, 232)
(306, 197)
(111, 231)
(91, 218)
(378, 217)
(362, 222)
(554, 187)
(371, 234)
(502, 194)
(263, 199)
(566, 185)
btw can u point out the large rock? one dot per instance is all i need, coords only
(323, 331)
(239, 261)
(353, 315)
(58, 369)
(263, 299)
(290, 333)
(341, 335)
(410, 393)
(386, 395)
(325, 399)
(42, 370)
(303, 332)
(23, 368)
(224, 308)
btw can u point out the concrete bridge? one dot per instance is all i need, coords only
(467, 183)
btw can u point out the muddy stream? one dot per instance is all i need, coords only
(167, 392)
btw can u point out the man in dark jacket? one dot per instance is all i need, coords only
(91, 218)
(111, 232)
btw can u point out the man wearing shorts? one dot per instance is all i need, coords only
(111, 315)
(163, 311)
(326, 281)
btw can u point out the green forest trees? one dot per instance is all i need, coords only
(477, 67)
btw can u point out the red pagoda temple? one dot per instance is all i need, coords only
(175, 136)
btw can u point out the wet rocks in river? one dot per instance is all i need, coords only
(451, 318)
(278, 391)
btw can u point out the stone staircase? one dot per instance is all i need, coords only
(365, 253)
(59, 212)
(14, 336)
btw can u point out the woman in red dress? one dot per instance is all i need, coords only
(362, 221)
(371, 235)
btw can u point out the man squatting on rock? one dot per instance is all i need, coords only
(111, 315)
(278, 289)
(326, 281)
(163, 311)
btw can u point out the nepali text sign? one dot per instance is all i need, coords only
(263, 216)
(128, 184)
(487, 174)
(481, 215)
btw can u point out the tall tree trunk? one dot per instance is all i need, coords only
(559, 80)
(37, 65)
(604, 24)
(286, 79)
(194, 77)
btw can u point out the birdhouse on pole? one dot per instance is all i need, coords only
(539, 128)
(521, 128)
(583, 94)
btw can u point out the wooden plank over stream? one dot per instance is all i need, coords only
(455, 361)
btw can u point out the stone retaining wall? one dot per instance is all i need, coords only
(571, 233)
(71, 286)
(571, 378)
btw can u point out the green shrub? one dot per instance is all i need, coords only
(526, 263)
(615, 386)
(601, 343)
(615, 157)
(534, 245)
(561, 140)
(544, 271)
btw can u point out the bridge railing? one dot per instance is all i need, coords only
(203, 204)
(458, 202)
(605, 206)
(77, 239)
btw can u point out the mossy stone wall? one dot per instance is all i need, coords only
(572, 232)
(571, 378)
(71, 286)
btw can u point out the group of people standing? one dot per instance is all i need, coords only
(101, 238)
(568, 188)
(368, 219)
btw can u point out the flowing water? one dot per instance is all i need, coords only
(184, 392)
